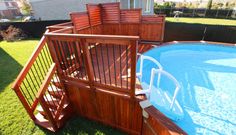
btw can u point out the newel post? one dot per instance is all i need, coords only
(88, 62)
(133, 44)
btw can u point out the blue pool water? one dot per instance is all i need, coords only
(207, 75)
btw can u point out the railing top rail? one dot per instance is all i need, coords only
(63, 29)
(62, 24)
(134, 9)
(29, 63)
(94, 36)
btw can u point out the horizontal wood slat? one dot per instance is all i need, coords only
(94, 12)
(153, 19)
(111, 12)
(80, 20)
(130, 16)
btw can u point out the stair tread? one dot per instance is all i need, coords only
(40, 109)
(54, 88)
(56, 94)
(49, 97)
(55, 79)
(41, 121)
(56, 104)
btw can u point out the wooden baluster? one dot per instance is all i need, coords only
(53, 55)
(25, 104)
(56, 60)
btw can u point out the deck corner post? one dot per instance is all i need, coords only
(133, 66)
(88, 62)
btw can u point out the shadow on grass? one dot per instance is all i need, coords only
(9, 69)
(82, 126)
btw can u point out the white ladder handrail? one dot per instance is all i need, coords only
(159, 72)
(177, 85)
(142, 58)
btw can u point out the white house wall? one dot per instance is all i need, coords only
(3, 6)
(138, 4)
(60, 9)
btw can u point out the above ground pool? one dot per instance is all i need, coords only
(207, 76)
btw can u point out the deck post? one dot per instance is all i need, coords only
(133, 67)
(88, 62)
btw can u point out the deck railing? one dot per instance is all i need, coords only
(103, 61)
(31, 77)
(35, 86)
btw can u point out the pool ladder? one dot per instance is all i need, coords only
(155, 71)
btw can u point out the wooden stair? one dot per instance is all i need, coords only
(58, 105)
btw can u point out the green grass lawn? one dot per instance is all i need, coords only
(203, 21)
(13, 118)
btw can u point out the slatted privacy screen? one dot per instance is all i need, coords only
(80, 20)
(130, 15)
(110, 12)
(94, 11)
(70, 56)
(153, 19)
(111, 64)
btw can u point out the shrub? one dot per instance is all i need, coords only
(13, 34)
(1, 38)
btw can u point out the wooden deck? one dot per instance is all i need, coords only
(94, 58)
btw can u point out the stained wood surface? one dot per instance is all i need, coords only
(130, 15)
(110, 12)
(115, 110)
(80, 20)
(108, 18)
(158, 123)
(94, 12)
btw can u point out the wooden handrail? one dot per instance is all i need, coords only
(64, 29)
(44, 85)
(62, 24)
(46, 81)
(28, 65)
(92, 36)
